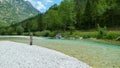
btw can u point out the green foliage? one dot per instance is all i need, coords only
(53, 33)
(112, 35)
(76, 14)
(26, 33)
(3, 24)
(42, 33)
(2, 31)
(85, 34)
(73, 15)
(102, 32)
(33, 24)
(71, 28)
(55, 22)
(94, 34)
(67, 13)
(10, 30)
(19, 29)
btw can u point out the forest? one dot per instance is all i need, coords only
(72, 16)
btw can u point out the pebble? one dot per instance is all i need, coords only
(19, 55)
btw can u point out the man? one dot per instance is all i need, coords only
(31, 35)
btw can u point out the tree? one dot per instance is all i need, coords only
(71, 28)
(53, 20)
(41, 24)
(110, 17)
(19, 29)
(79, 7)
(76, 14)
(10, 30)
(66, 11)
(2, 31)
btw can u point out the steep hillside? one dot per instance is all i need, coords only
(13, 11)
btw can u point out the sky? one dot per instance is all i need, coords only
(43, 5)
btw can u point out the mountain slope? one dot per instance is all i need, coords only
(13, 11)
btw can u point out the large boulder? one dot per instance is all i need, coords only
(118, 38)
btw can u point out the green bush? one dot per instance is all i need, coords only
(71, 28)
(44, 33)
(10, 30)
(66, 34)
(102, 32)
(38, 33)
(2, 31)
(85, 34)
(26, 34)
(14, 33)
(19, 30)
(53, 34)
(112, 35)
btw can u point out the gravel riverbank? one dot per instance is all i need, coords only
(19, 55)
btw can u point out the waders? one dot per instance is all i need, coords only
(31, 38)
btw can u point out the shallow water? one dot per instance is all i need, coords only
(97, 54)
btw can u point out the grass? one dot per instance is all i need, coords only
(96, 54)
